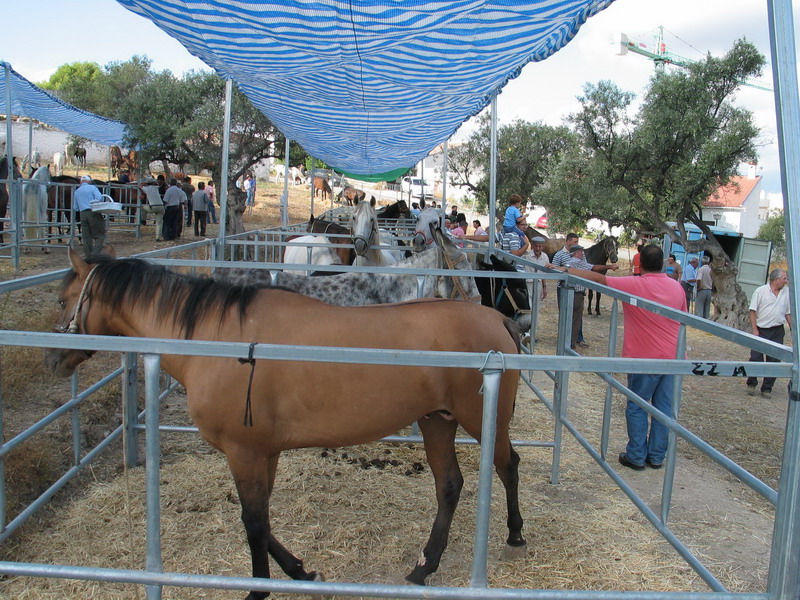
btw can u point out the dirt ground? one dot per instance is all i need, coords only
(363, 524)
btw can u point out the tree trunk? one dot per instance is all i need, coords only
(730, 302)
(236, 208)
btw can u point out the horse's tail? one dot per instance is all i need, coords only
(514, 331)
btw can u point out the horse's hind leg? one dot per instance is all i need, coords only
(439, 435)
(506, 462)
(597, 305)
(589, 303)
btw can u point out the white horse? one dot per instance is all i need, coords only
(32, 162)
(367, 238)
(295, 176)
(297, 252)
(34, 198)
(58, 163)
(279, 171)
(422, 237)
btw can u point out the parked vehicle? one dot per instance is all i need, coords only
(541, 222)
(751, 257)
(416, 187)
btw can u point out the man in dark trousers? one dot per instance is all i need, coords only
(646, 335)
(769, 308)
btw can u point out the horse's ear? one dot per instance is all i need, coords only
(80, 266)
(109, 250)
(372, 202)
(422, 204)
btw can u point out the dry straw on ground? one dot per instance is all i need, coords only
(368, 524)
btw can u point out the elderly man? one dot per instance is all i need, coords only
(537, 256)
(769, 308)
(702, 301)
(93, 224)
(689, 280)
(578, 261)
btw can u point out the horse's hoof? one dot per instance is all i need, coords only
(46, 250)
(515, 552)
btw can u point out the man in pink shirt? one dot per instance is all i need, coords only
(646, 335)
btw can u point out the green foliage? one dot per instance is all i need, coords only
(663, 162)
(76, 83)
(774, 230)
(524, 151)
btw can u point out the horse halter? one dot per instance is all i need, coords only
(366, 241)
(505, 291)
(73, 325)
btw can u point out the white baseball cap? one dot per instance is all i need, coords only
(85, 178)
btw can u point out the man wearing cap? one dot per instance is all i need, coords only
(538, 257)
(651, 336)
(576, 262)
(93, 224)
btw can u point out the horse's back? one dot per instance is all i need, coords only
(325, 403)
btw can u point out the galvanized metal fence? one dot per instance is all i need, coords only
(558, 367)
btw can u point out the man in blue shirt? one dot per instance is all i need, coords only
(93, 224)
(689, 281)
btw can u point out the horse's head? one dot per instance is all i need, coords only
(460, 288)
(74, 300)
(422, 238)
(509, 296)
(364, 226)
(611, 244)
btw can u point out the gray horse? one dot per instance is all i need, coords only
(360, 289)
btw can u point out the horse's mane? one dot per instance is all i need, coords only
(186, 298)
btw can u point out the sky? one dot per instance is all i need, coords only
(102, 31)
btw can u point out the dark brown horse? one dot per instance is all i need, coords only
(59, 202)
(4, 171)
(601, 253)
(297, 404)
(397, 210)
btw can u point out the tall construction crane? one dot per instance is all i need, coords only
(658, 53)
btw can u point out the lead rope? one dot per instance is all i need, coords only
(248, 409)
(458, 288)
(489, 355)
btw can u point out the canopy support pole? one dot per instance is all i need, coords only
(493, 178)
(445, 166)
(783, 582)
(14, 197)
(285, 197)
(223, 191)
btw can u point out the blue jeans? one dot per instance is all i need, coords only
(657, 389)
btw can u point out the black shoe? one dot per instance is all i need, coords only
(653, 465)
(625, 462)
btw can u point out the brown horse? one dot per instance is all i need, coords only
(351, 195)
(321, 186)
(299, 404)
(551, 245)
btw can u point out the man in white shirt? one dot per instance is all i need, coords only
(769, 307)
(537, 256)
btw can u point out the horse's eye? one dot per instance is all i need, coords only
(62, 304)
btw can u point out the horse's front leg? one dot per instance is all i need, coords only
(255, 489)
(439, 435)
(254, 498)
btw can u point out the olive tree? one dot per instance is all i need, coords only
(660, 163)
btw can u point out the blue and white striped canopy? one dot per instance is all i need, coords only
(27, 100)
(369, 86)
